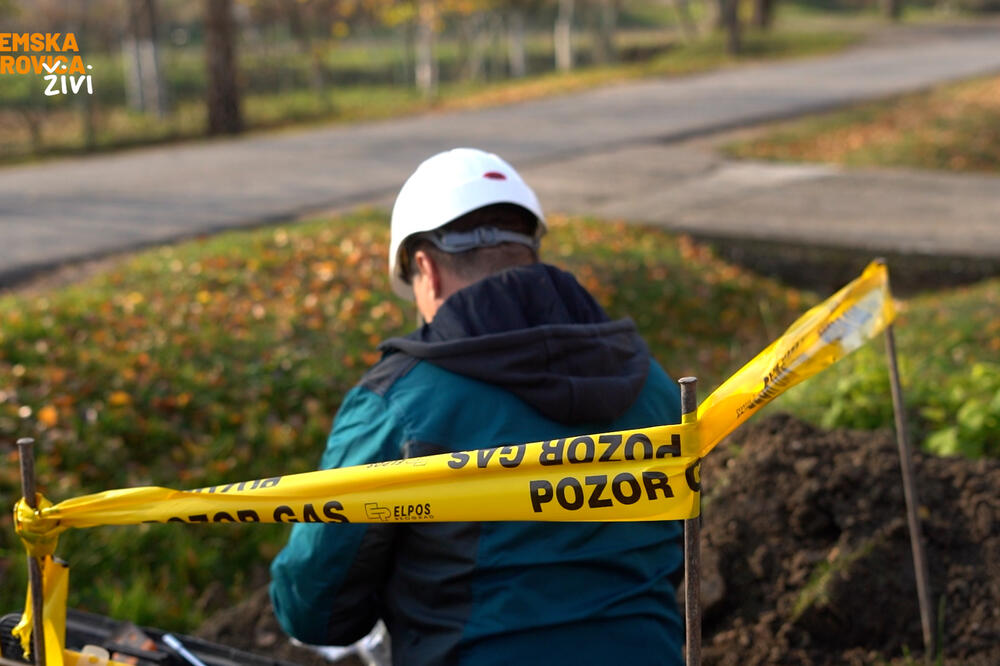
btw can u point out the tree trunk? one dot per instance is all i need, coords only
(296, 25)
(497, 68)
(893, 9)
(426, 66)
(33, 119)
(763, 14)
(732, 22)
(300, 32)
(720, 14)
(605, 22)
(224, 115)
(145, 90)
(563, 36)
(475, 42)
(409, 50)
(87, 104)
(516, 57)
(683, 10)
(88, 113)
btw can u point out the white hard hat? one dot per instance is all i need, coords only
(445, 187)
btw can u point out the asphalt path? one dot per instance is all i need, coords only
(62, 211)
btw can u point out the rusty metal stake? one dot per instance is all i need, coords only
(26, 452)
(912, 500)
(692, 546)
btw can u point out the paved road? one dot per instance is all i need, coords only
(59, 211)
(692, 189)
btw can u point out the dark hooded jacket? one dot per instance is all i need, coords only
(524, 355)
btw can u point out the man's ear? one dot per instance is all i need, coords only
(430, 270)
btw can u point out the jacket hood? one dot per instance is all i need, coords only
(536, 332)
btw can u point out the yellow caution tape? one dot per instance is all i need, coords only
(55, 582)
(38, 534)
(643, 474)
(640, 474)
(637, 474)
(820, 337)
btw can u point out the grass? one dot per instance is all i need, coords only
(954, 127)
(226, 358)
(289, 100)
(816, 591)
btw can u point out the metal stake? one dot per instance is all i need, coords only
(26, 452)
(692, 546)
(912, 501)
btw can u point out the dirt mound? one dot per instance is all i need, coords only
(808, 532)
(807, 556)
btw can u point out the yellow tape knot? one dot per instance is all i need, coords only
(38, 533)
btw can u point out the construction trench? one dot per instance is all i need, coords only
(806, 556)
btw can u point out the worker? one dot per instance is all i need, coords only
(510, 350)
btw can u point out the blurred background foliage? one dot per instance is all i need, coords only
(166, 70)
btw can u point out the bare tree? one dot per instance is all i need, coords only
(86, 104)
(516, 57)
(303, 21)
(683, 10)
(729, 12)
(563, 36)
(145, 88)
(426, 64)
(719, 15)
(224, 114)
(763, 14)
(605, 21)
(474, 42)
(893, 9)
(33, 118)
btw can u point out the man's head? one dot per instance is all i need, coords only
(463, 215)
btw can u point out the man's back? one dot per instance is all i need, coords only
(525, 355)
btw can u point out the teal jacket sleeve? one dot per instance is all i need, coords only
(325, 582)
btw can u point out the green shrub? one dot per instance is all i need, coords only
(947, 343)
(964, 417)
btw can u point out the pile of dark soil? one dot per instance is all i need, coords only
(806, 555)
(807, 530)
